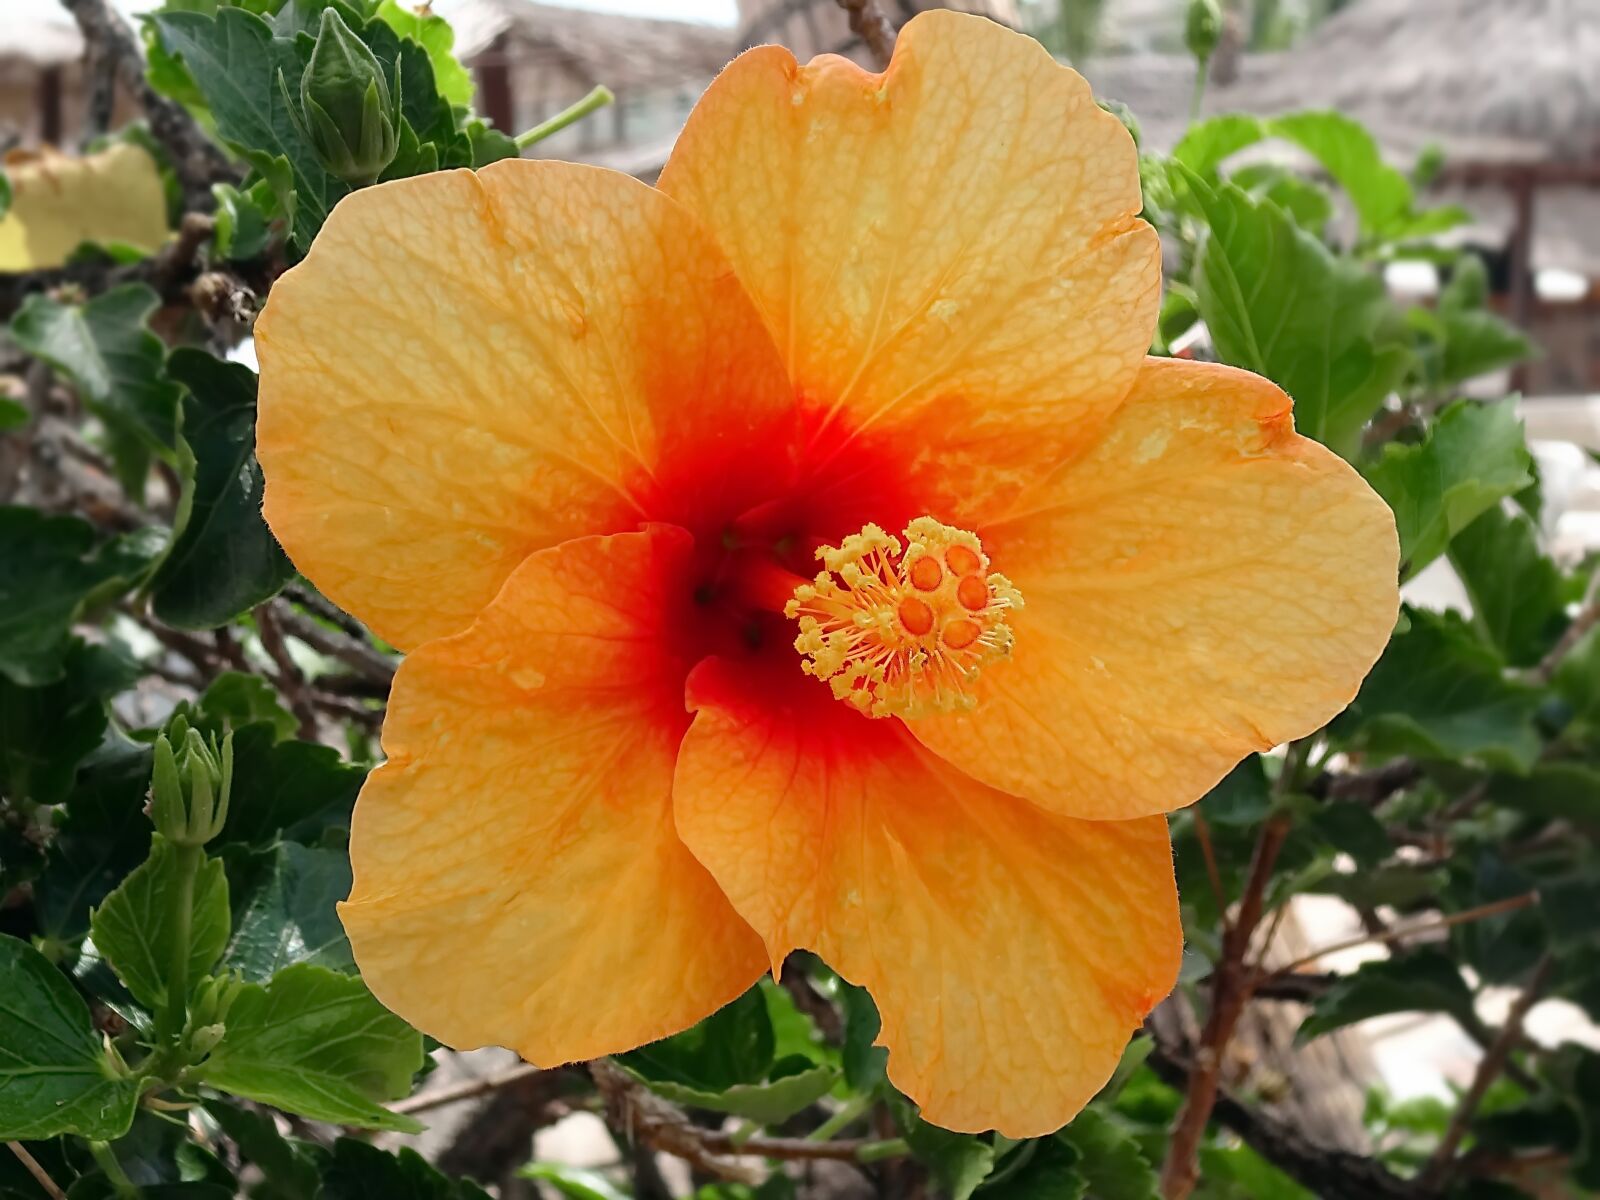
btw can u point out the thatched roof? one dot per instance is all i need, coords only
(1489, 80)
(622, 52)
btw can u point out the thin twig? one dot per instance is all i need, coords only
(40, 1175)
(1494, 909)
(469, 1089)
(1233, 983)
(322, 607)
(1587, 618)
(1202, 832)
(289, 681)
(1331, 1173)
(636, 1111)
(360, 657)
(869, 24)
(1442, 1164)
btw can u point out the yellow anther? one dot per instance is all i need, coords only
(904, 632)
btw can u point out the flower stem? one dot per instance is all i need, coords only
(106, 1160)
(837, 1123)
(878, 1151)
(169, 1022)
(598, 98)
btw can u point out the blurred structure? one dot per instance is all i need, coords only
(810, 27)
(533, 60)
(1507, 90)
(43, 97)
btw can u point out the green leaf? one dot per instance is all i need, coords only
(865, 1062)
(234, 699)
(98, 1187)
(1109, 1158)
(286, 789)
(315, 1042)
(1277, 302)
(13, 414)
(1045, 1169)
(1381, 194)
(45, 732)
(242, 219)
(1473, 456)
(1465, 344)
(289, 914)
(287, 1164)
(235, 62)
(54, 1076)
(734, 1045)
(106, 349)
(362, 1172)
(224, 560)
(1557, 790)
(958, 1161)
(434, 35)
(50, 570)
(1516, 590)
(1352, 828)
(1421, 981)
(133, 928)
(765, 1103)
(103, 837)
(1439, 692)
(1207, 144)
(1577, 679)
(577, 1183)
(1242, 798)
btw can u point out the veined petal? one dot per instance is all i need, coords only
(518, 847)
(947, 254)
(1202, 584)
(470, 367)
(1011, 952)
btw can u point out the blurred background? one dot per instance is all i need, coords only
(1493, 105)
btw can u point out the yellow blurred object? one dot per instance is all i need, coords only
(59, 202)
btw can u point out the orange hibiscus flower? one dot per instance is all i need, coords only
(577, 443)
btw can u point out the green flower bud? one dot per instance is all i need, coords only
(189, 784)
(349, 118)
(203, 1041)
(1202, 28)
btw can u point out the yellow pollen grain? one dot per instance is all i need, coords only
(904, 631)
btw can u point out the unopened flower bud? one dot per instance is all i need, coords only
(189, 784)
(349, 118)
(1202, 28)
(204, 1040)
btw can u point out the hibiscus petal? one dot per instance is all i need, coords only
(467, 368)
(948, 251)
(1011, 952)
(1202, 584)
(517, 851)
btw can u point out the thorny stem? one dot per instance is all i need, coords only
(597, 98)
(40, 1175)
(1442, 1165)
